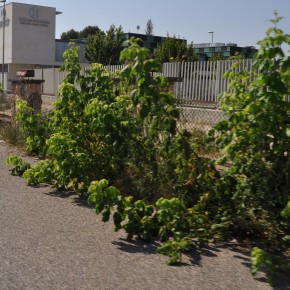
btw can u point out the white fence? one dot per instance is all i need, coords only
(195, 82)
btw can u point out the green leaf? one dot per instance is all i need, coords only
(288, 131)
(286, 211)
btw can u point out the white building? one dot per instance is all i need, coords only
(29, 38)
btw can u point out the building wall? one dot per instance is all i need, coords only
(29, 40)
(29, 34)
(62, 45)
(149, 41)
(33, 34)
(227, 50)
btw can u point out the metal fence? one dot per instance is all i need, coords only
(196, 86)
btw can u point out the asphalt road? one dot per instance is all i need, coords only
(54, 241)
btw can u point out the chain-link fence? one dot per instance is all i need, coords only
(201, 115)
(201, 118)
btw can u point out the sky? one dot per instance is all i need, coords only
(238, 21)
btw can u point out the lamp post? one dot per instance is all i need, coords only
(3, 42)
(211, 32)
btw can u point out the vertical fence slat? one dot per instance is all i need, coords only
(200, 81)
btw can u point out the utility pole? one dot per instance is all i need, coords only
(3, 42)
(211, 49)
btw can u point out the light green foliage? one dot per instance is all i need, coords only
(34, 126)
(167, 218)
(19, 165)
(102, 129)
(254, 138)
(174, 249)
(259, 258)
(42, 172)
(286, 211)
(135, 217)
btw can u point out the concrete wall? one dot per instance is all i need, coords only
(29, 34)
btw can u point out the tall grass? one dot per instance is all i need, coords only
(11, 134)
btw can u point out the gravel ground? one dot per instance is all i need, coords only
(54, 241)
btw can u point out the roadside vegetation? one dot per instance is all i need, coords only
(118, 144)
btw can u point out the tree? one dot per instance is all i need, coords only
(149, 27)
(218, 56)
(73, 34)
(88, 30)
(105, 47)
(175, 49)
(69, 35)
(191, 55)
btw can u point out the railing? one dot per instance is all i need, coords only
(200, 82)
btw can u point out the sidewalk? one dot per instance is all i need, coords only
(54, 241)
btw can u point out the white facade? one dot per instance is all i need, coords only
(29, 37)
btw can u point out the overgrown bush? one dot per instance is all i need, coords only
(103, 130)
(35, 127)
(121, 146)
(256, 139)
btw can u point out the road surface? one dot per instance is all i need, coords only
(54, 241)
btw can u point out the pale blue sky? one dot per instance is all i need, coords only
(239, 21)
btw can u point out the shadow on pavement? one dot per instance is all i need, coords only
(282, 281)
(138, 246)
(194, 256)
(76, 199)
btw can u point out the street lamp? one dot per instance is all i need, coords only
(3, 42)
(211, 43)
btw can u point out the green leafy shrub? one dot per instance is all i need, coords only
(255, 140)
(19, 165)
(35, 127)
(103, 130)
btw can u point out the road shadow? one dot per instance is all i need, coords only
(194, 256)
(76, 199)
(136, 246)
(243, 254)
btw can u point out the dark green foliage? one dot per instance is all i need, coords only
(89, 30)
(85, 33)
(149, 27)
(105, 47)
(175, 49)
(70, 35)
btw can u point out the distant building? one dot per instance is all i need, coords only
(28, 40)
(149, 41)
(205, 50)
(62, 45)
